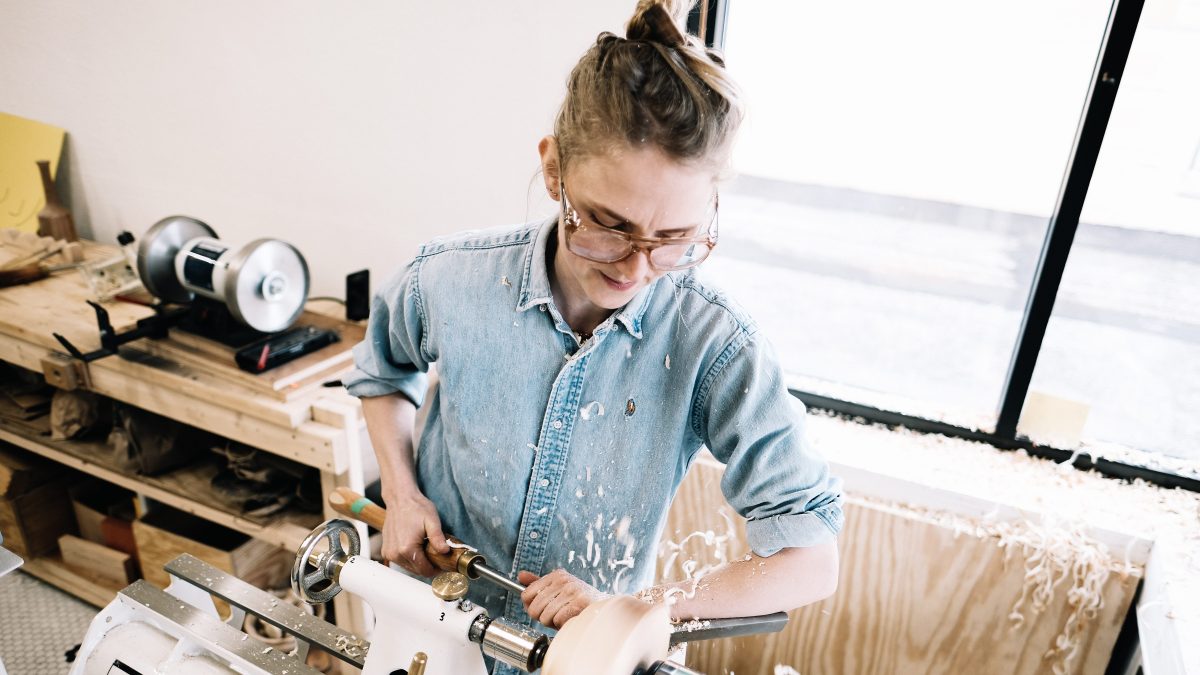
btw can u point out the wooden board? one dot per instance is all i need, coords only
(86, 587)
(284, 382)
(316, 445)
(98, 560)
(914, 597)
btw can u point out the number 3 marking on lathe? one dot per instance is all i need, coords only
(442, 617)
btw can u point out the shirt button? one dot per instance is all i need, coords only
(545, 482)
(557, 424)
(533, 535)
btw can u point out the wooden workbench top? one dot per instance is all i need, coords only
(286, 411)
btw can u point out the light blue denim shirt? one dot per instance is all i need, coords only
(545, 453)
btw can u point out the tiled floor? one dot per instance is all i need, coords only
(38, 623)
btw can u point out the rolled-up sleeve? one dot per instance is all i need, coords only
(392, 356)
(773, 476)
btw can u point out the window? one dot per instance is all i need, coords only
(1125, 335)
(897, 175)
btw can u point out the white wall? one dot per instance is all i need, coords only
(353, 130)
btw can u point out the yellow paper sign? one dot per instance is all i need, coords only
(22, 144)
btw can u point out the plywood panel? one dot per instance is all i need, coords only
(914, 597)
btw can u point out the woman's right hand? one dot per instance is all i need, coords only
(411, 520)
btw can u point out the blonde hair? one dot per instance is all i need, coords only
(657, 87)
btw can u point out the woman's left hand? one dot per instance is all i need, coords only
(557, 597)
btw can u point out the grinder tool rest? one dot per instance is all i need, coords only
(419, 629)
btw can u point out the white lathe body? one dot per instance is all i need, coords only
(419, 629)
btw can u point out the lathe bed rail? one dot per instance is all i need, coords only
(306, 628)
(222, 639)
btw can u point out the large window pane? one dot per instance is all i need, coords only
(897, 172)
(1125, 334)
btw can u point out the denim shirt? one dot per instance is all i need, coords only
(544, 452)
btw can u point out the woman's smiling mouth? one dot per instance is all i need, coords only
(617, 285)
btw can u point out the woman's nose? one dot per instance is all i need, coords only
(636, 266)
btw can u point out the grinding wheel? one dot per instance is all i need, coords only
(617, 636)
(157, 251)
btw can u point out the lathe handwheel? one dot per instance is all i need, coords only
(320, 585)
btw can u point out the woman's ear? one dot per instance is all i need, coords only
(551, 171)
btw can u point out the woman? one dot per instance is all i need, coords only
(582, 364)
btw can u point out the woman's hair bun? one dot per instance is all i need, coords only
(657, 88)
(659, 21)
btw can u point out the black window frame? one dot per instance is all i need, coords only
(709, 20)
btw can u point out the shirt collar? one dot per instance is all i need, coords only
(535, 283)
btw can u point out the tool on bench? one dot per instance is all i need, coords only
(15, 276)
(244, 298)
(263, 285)
(419, 629)
(29, 267)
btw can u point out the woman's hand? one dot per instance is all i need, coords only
(557, 597)
(411, 519)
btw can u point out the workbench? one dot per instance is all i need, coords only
(287, 411)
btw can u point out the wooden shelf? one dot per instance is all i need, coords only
(294, 418)
(52, 570)
(188, 489)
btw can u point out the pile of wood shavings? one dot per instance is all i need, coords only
(1012, 477)
(1081, 498)
(1054, 552)
(691, 626)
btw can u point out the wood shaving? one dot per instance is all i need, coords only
(1053, 553)
(1080, 500)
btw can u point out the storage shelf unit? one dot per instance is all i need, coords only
(320, 427)
(286, 529)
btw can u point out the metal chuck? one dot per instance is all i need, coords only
(510, 643)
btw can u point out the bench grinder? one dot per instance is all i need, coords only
(264, 284)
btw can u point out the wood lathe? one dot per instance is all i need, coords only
(420, 629)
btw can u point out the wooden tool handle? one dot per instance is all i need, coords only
(16, 276)
(353, 505)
